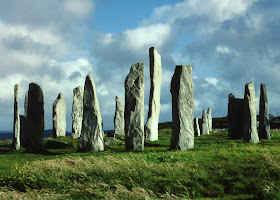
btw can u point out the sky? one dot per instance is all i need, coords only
(56, 43)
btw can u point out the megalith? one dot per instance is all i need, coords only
(264, 126)
(77, 111)
(196, 127)
(182, 108)
(22, 123)
(204, 124)
(16, 128)
(151, 127)
(34, 125)
(26, 104)
(119, 117)
(92, 135)
(134, 108)
(59, 117)
(209, 117)
(250, 115)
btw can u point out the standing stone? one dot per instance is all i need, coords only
(59, 117)
(26, 104)
(196, 127)
(205, 124)
(182, 108)
(264, 125)
(250, 115)
(16, 129)
(92, 134)
(34, 127)
(22, 123)
(134, 108)
(209, 117)
(235, 117)
(119, 117)
(151, 126)
(77, 111)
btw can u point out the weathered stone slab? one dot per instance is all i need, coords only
(26, 104)
(77, 111)
(196, 127)
(16, 128)
(134, 108)
(182, 108)
(250, 115)
(209, 117)
(22, 123)
(59, 117)
(264, 126)
(204, 124)
(119, 117)
(151, 126)
(92, 135)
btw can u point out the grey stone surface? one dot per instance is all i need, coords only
(196, 127)
(34, 125)
(26, 104)
(16, 128)
(209, 117)
(151, 126)
(92, 135)
(59, 117)
(77, 111)
(235, 117)
(119, 117)
(182, 108)
(250, 115)
(204, 124)
(134, 108)
(264, 126)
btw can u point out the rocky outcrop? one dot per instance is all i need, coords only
(204, 124)
(264, 126)
(134, 108)
(119, 117)
(59, 117)
(151, 126)
(16, 129)
(196, 127)
(209, 117)
(92, 135)
(182, 108)
(77, 111)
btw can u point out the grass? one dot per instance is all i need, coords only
(217, 168)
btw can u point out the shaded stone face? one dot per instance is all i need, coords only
(22, 123)
(134, 108)
(77, 111)
(119, 117)
(264, 126)
(34, 125)
(182, 108)
(92, 134)
(250, 116)
(59, 117)
(205, 124)
(196, 127)
(151, 126)
(16, 129)
(209, 117)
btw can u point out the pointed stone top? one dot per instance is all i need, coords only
(16, 89)
(81, 88)
(209, 110)
(60, 96)
(118, 98)
(180, 67)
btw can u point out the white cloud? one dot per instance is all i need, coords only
(222, 49)
(80, 8)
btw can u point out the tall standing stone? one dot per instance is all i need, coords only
(134, 108)
(77, 111)
(182, 108)
(196, 127)
(119, 117)
(250, 115)
(16, 129)
(205, 124)
(34, 127)
(26, 104)
(92, 135)
(264, 125)
(209, 117)
(151, 126)
(59, 117)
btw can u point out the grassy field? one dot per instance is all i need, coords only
(217, 168)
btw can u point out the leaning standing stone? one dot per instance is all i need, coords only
(92, 134)
(205, 124)
(134, 108)
(154, 99)
(16, 131)
(264, 126)
(34, 126)
(209, 116)
(250, 115)
(59, 117)
(119, 117)
(196, 127)
(182, 108)
(77, 111)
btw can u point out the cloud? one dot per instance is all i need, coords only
(80, 9)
